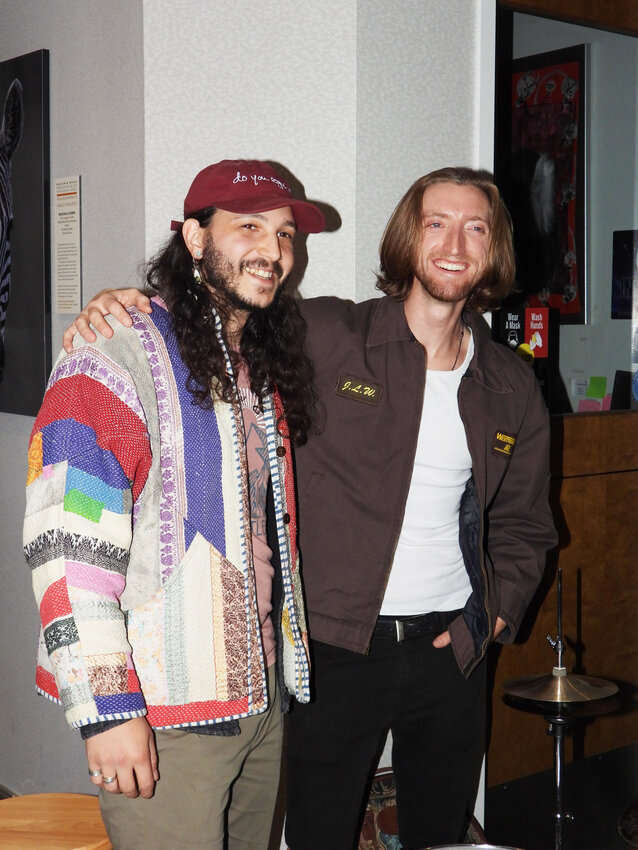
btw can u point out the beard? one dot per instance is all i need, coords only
(220, 276)
(449, 293)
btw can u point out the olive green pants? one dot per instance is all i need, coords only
(210, 787)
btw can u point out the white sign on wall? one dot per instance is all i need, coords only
(68, 245)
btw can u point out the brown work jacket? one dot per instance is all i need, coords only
(353, 477)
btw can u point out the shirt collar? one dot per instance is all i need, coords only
(388, 324)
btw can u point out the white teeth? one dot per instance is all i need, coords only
(451, 267)
(260, 273)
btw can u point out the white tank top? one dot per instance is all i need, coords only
(428, 573)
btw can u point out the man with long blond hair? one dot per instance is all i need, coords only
(424, 518)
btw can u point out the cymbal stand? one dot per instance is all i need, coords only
(560, 697)
(557, 726)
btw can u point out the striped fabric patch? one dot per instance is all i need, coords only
(61, 632)
(99, 418)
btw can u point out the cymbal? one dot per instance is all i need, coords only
(554, 688)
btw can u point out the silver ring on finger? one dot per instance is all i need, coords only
(108, 779)
(95, 772)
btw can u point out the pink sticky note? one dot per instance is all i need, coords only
(586, 405)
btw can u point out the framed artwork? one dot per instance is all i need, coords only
(25, 256)
(545, 181)
(624, 270)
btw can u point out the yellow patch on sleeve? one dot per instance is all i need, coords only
(35, 458)
(503, 443)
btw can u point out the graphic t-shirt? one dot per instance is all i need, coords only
(258, 476)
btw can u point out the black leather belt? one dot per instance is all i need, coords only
(405, 628)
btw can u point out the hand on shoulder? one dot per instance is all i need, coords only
(107, 302)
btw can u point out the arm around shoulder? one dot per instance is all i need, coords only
(107, 302)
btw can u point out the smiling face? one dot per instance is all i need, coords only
(455, 241)
(248, 257)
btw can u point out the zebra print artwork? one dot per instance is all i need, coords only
(25, 232)
(10, 135)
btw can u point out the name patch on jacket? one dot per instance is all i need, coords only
(359, 389)
(503, 443)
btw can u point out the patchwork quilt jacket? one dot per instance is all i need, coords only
(137, 532)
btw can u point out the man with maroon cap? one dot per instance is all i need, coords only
(160, 525)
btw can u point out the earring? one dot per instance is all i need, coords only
(196, 273)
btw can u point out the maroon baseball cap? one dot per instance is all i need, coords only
(247, 186)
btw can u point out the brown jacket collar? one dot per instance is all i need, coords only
(388, 324)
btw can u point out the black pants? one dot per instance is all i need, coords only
(437, 719)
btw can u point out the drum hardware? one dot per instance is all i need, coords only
(560, 697)
(473, 846)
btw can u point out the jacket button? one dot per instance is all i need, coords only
(281, 451)
(286, 519)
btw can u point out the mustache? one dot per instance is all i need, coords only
(260, 263)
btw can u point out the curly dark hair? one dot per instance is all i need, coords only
(402, 240)
(272, 342)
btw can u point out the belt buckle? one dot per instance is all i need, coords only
(400, 630)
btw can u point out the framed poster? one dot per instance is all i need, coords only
(624, 270)
(25, 255)
(546, 180)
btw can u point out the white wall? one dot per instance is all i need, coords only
(97, 130)
(416, 106)
(603, 345)
(357, 99)
(276, 83)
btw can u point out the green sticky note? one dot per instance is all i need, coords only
(597, 387)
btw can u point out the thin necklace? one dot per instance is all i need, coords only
(459, 348)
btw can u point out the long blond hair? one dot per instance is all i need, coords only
(401, 242)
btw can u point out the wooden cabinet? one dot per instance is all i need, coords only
(595, 504)
(616, 15)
